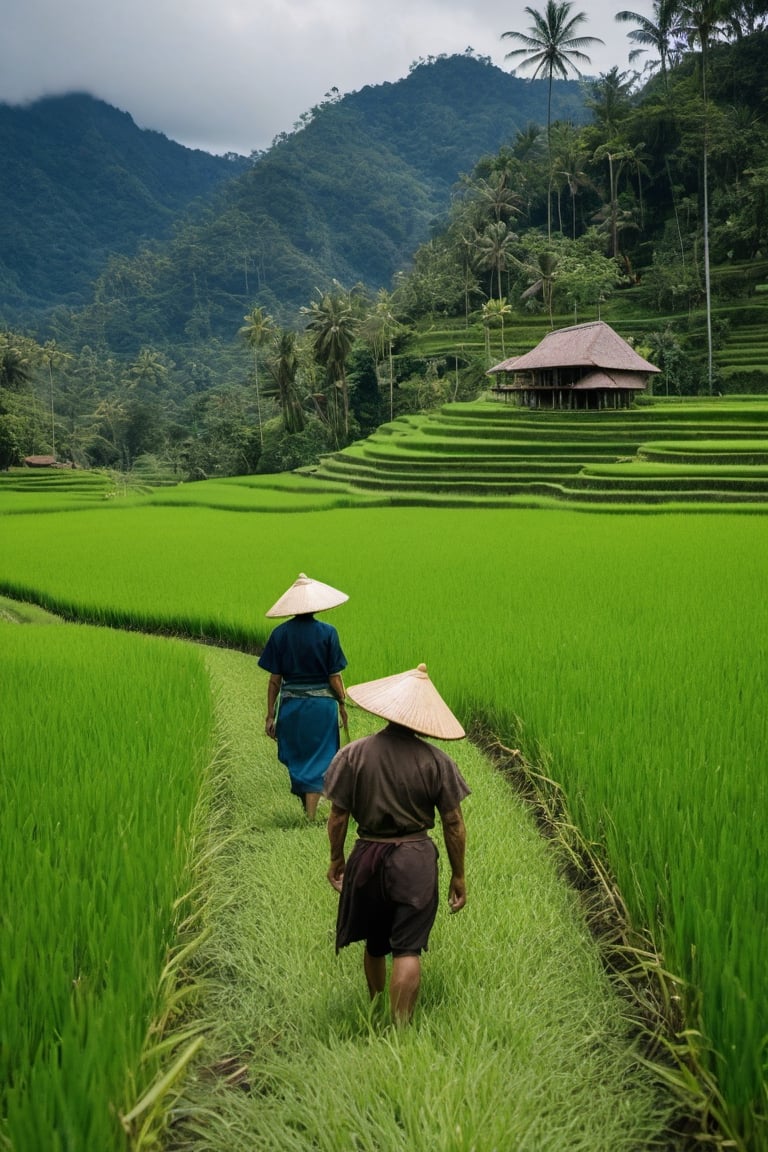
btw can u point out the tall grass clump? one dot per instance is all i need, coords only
(104, 743)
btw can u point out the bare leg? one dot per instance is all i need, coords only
(375, 972)
(311, 800)
(404, 987)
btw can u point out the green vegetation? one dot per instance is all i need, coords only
(625, 216)
(509, 454)
(97, 814)
(50, 490)
(82, 184)
(622, 653)
(577, 639)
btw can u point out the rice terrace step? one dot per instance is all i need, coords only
(660, 452)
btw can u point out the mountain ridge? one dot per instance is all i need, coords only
(81, 180)
(349, 195)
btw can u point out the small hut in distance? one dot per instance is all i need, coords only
(584, 366)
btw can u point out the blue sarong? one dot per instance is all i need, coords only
(307, 730)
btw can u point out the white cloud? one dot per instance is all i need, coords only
(230, 75)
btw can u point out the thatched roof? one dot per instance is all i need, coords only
(593, 345)
(40, 461)
(600, 379)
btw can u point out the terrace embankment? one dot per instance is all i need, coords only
(655, 455)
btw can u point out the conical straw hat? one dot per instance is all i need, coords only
(307, 595)
(411, 699)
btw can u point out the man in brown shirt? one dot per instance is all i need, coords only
(392, 783)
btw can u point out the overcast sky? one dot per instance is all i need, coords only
(229, 75)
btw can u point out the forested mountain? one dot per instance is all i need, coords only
(349, 195)
(79, 180)
(432, 215)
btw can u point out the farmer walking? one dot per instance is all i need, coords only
(391, 783)
(305, 694)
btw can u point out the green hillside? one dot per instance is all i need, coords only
(80, 181)
(348, 196)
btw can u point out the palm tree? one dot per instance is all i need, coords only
(654, 34)
(380, 327)
(283, 368)
(334, 325)
(53, 357)
(527, 142)
(258, 328)
(662, 36)
(568, 158)
(544, 280)
(494, 310)
(15, 370)
(148, 371)
(701, 21)
(609, 102)
(495, 195)
(494, 250)
(551, 48)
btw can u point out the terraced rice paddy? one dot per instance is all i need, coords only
(512, 455)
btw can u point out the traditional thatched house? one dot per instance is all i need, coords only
(585, 366)
(39, 461)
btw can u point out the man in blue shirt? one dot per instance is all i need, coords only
(305, 694)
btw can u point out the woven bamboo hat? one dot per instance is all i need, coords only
(307, 595)
(411, 699)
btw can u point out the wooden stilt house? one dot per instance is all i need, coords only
(584, 366)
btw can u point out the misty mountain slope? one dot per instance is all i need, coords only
(347, 196)
(78, 181)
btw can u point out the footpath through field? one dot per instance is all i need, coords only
(518, 1042)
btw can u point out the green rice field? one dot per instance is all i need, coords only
(625, 654)
(99, 796)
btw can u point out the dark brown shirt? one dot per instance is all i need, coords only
(393, 782)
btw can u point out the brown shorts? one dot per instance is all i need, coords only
(389, 897)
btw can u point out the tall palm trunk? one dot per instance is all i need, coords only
(705, 177)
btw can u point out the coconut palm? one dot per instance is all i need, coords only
(53, 357)
(496, 196)
(551, 48)
(543, 273)
(257, 330)
(527, 142)
(569, 157)
(657, 33)
(493, 311)
(148, 371)
(701, 22)
(746, 18)
(494, 250)
(333, 324)
(380, 327)
(283, 368)
(15, 369)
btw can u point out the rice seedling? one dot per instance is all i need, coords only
(104, 744)
(25, 490)
(623, 652)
